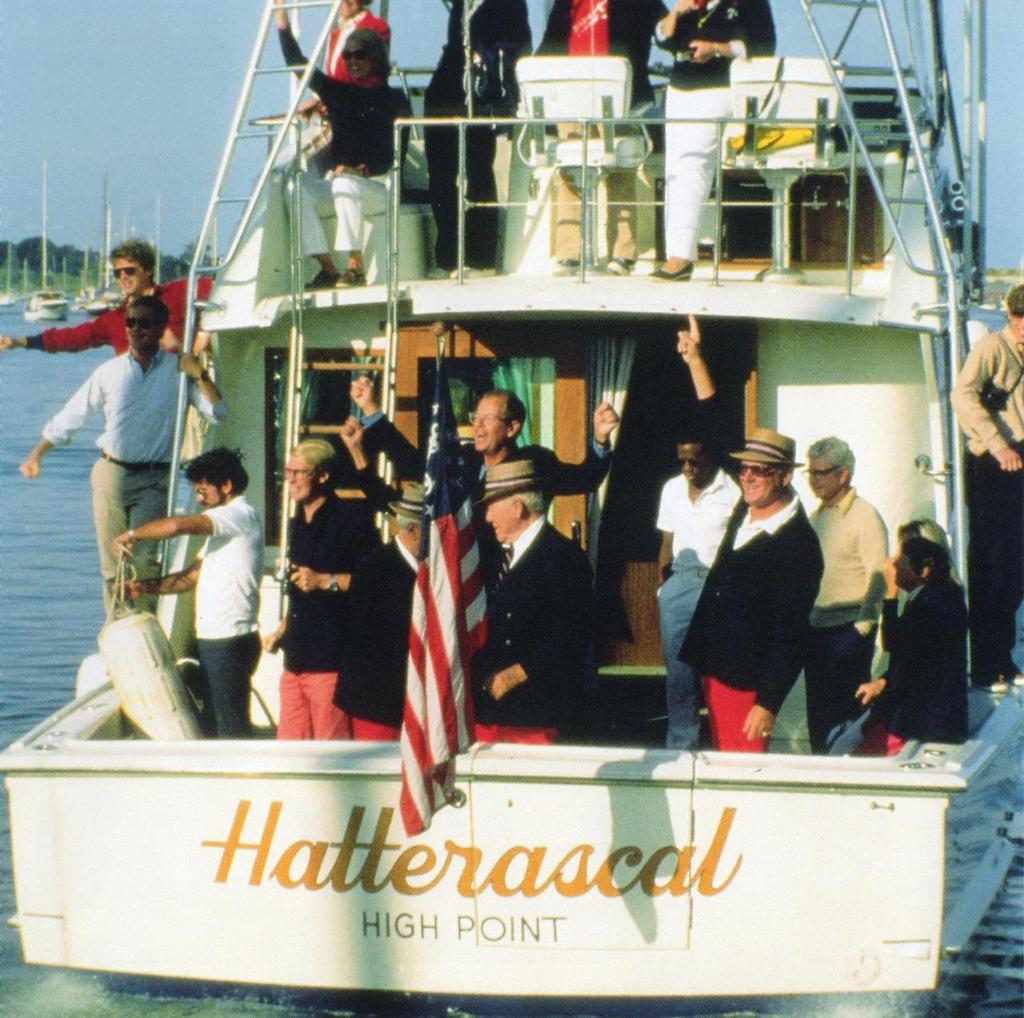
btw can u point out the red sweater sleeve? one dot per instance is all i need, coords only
(107, 329)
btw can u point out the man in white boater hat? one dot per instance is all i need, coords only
(748, 636)
(528, 678)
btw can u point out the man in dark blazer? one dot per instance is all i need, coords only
(749, 632)
(371, 678)
(529, 676)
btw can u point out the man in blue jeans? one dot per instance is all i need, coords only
(692, 517)
(226, 575)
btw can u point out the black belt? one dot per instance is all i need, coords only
(135, 467)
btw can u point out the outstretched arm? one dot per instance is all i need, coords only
(689, 347)
(31, 465)
(160, 530)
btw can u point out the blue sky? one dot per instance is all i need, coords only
(146, 91)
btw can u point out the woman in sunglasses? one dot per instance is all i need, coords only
(362, 112)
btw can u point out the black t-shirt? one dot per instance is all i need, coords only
(338, 537)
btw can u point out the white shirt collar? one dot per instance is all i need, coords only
(525, 539)
(749, 529)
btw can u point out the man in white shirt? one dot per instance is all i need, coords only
(226, 575)
(692, 517)
(137, 392)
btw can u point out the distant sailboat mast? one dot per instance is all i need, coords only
(106, 232)
(42, 281)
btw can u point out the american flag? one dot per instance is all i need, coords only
(448, 625)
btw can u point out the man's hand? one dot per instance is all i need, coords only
(1009, 460)
(689, 342)
(606, 420)
(361, 392)
(125, 541)
(271, 641)
(351, 433)
(503, 682)
(307, 579)
(189, 365)
(868, 691)
(30, 468)
(759, 723)
(6, 342)
(892, 588)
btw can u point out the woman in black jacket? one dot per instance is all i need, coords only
(923, 695)
(362, 113)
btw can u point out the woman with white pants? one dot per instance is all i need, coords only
(704, 36)
(362, 112)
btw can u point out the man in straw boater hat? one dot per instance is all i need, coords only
(371, 679)
(528, 678)
(749, 631)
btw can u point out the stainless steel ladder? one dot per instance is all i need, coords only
(250, 125)
(928, 133)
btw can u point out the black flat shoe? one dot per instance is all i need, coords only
(679, 276)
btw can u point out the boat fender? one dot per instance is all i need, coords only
(141, 665)
(92, 673)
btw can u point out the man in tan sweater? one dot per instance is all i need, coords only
(989, 402)
(854, 545)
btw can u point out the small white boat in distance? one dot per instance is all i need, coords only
(7, 300)
(46, 306)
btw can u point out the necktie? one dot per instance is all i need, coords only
(506, 563)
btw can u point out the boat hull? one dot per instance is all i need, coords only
(665, 876)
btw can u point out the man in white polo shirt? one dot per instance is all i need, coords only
(226, 575)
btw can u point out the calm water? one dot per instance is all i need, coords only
(51, 611)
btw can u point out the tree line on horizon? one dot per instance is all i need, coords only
(70, 260)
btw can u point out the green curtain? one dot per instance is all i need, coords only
(532, 379)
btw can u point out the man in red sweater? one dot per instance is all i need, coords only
(132, 263)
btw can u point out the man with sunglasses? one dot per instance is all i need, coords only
(137, 394)
(989, 402)
(748, 637)
(693, 513)
(132, 264)
(854, 544)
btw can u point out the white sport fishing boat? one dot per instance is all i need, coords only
(609, 873)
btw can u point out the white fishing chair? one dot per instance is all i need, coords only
(568, 89)
(792, 103)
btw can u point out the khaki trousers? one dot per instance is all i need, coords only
(122, 499)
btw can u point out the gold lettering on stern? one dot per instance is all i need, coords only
(518, 871)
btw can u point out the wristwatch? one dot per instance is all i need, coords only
(332, 584)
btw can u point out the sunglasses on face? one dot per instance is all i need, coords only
(140, 323)
(756, 470)
(126, 270)
(689, 461)
(822, 473)
(355, 54)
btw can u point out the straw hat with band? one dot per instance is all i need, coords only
(409, 506)
(511, 477)
(767, 446)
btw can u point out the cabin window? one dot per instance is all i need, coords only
(325, 404)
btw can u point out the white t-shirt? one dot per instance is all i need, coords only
(228, 592)
(700, 524)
